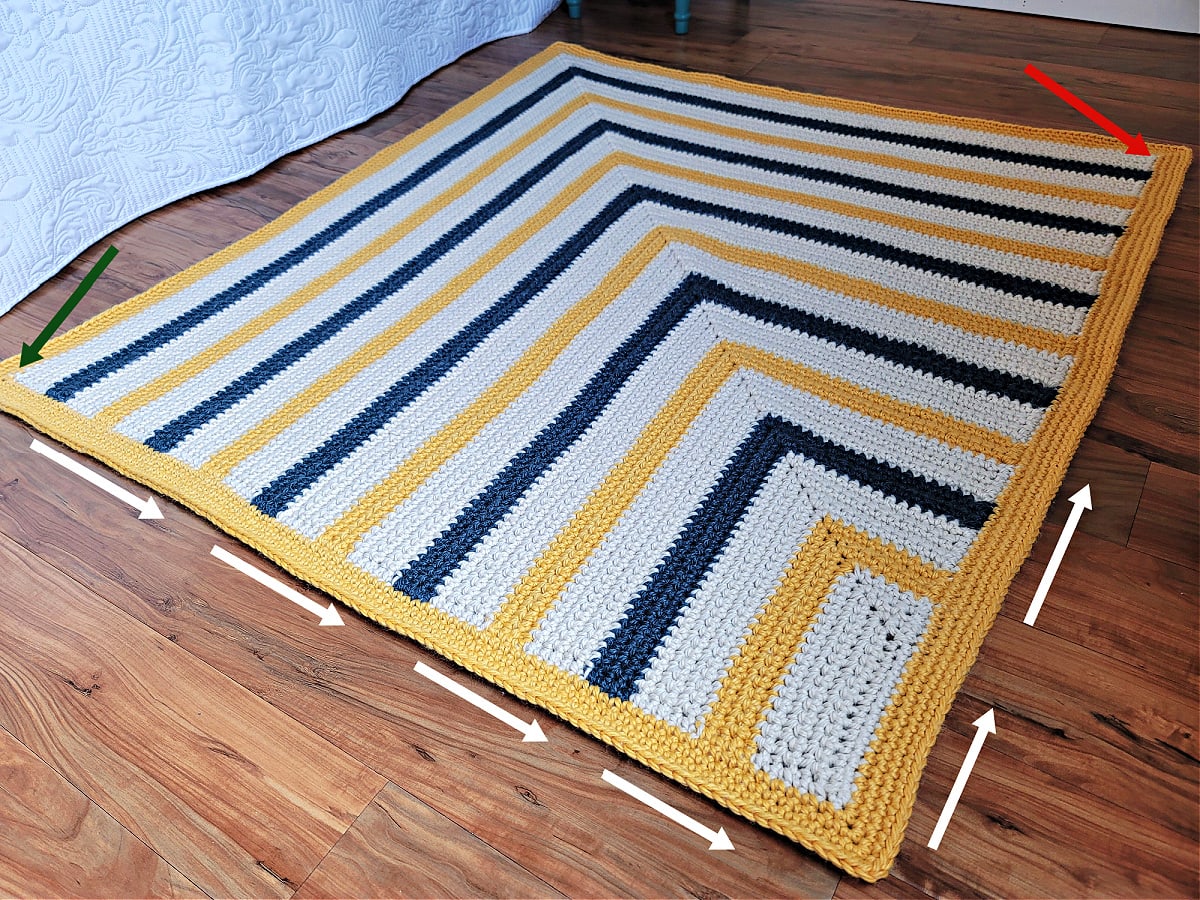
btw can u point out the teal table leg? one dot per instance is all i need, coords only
(573, 8)
(683, 12)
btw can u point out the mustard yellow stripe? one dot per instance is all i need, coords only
(571, 547)
(1053, 135)
(872, 292)
(909, 416)
(378, 502)
(329, 279)
(377, 163)
(832, 549)
(1024, 185)
(865, 213)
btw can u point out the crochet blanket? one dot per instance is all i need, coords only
(711, 417)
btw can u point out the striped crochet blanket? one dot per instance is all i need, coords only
(713, 418)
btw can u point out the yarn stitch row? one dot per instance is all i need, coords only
(713, 418)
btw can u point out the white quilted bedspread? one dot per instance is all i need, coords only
(112, 108)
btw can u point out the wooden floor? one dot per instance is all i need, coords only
(167, 728)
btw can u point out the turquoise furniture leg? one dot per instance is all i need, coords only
(683, 12)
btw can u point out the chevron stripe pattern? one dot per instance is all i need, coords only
(711, 417)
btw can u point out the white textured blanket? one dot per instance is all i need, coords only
(112, 108)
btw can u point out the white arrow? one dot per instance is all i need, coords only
(1080, 500)
(986, 725)
(532, 731)
(328, 615)
(147, 509)
(718, 840)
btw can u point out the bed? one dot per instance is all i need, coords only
(112, 108)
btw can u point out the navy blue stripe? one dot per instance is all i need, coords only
(68, 387)
(276, 496)
(928, 143)
(862, 183)
(425, 574)
(631, 648)
(903, 353)
(1001, 281)
(174, 432)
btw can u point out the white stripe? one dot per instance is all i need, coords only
(499, 560)
(822, 718)
(621, 565)
(681, 683)
(993, 353)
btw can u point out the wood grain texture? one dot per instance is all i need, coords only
(1169, 516)
(1033, 834)
(237, 796)
(387, 854)
(55, 842)
(1127, 605)
(542, 805)
(1089, 787)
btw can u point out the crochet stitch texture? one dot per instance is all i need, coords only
(714, 418)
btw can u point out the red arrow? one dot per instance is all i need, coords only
(1134, 145)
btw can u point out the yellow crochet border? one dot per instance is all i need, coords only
(864, 837)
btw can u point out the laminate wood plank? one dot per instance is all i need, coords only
(776, 24)
(1127, 605)
(234, 794)
(1169, 295)
(1116, 478)
(1121, 734)
(1163, 354)
(55, 842)
(1138, 416)
(892, 888)
(1168, 522)
(979, 84)
(995, 88)
(542, 805)
(1019, 831)
(1054, 42)
(387, 853)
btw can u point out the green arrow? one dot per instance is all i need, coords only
(31, 353)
